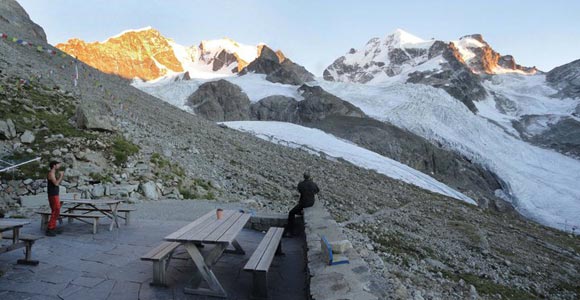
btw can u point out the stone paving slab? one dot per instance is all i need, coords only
(80, 265)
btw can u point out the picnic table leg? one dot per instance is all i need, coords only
(238, 248)
(15, 235)
(215, 288)
(260, 285)
(115, 222)
(27, 256)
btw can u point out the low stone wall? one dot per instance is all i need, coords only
(347, 281)
(262, 222)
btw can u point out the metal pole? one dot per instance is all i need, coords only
(20, 164)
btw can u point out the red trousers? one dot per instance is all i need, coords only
(54, 202)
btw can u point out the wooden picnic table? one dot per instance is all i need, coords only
(17, 240)
(110, 213)
(14, 225)
(209, 230)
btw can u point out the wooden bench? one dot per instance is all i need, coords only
(328, 256)
(126, 211)
(46, 215)
(261, 259)
(160, 256)
(28, 241)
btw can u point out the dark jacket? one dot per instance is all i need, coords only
(307, 189)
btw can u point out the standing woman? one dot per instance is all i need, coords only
(53, 198)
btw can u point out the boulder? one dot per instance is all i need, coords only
(94, 117)
(98, 191)
(124, 189)
(7, 129)
(27, 137)
(149, 190)
(220, 101)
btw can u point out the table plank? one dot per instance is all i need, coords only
(177, 234)
(93, 202)
(9, 224)
(200, 235)
(216, 234)
(231, 234)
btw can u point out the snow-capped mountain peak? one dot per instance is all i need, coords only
(401, 52)
(403, 39)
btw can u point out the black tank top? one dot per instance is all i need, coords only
(52, 189)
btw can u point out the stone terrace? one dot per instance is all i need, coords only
(80, 265)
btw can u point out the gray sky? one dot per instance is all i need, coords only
(313, 33)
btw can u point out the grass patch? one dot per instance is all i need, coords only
(17, 217)
(122, 149)
(166, 170)
(103, 178)
(488, 287)
(565, 286)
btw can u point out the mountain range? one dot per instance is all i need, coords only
(524, 103)
(428, 153)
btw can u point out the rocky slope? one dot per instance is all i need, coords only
(224, 101)
(566, 79)
(16, 22)
(418, 244)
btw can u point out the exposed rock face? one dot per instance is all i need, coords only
(414, 151)
(14, 21)
(220, 101)
(144, 54)
(563, 136)
(483, 59)
(566, 79)
(275, 108)
(278, 68)
(223, 58)
(317, 105)
(453, 76)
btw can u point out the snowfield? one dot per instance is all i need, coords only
(542, 184)
(524, 95)
(316, 141)
(177, 92)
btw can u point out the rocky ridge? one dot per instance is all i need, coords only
(453, 66)
(278, 68)
(145, 54)
(566, 78)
